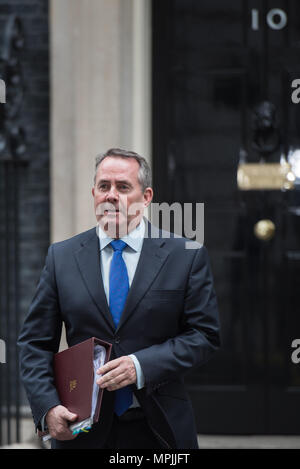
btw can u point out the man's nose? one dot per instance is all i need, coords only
(112, 194)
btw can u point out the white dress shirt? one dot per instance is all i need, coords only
(131, 255)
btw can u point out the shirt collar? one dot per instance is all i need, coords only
(134, 239)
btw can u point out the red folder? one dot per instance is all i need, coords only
(74, 379)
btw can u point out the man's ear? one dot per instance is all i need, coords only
(148, 196)
(93, 191)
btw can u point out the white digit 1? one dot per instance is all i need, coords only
(2, 92)
(255, 19)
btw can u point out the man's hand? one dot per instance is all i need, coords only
(58, 419)
(117, 374)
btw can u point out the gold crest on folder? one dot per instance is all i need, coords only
(73, 384)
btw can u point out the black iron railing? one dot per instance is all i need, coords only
(13, 164)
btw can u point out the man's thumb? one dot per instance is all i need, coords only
(70, 416)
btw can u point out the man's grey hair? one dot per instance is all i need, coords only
(144, 174)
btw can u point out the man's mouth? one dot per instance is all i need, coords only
(111, 212)
(108, 210)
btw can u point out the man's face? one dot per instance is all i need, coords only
(118, 198)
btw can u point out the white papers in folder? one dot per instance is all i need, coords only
(99, 358)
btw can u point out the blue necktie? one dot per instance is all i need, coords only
(118, 291)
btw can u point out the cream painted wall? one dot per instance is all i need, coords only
(100, 97)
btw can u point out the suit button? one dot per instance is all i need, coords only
(117, 339)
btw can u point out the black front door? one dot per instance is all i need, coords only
(225, 93)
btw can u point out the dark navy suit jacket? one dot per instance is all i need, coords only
(170, 322)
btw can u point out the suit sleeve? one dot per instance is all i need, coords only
(38, 341)
(198, 338)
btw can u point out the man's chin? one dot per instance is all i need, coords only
(112, 227)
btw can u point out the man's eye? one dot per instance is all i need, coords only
(103, 187)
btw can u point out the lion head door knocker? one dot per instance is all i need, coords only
(266, 137)
(266, 140)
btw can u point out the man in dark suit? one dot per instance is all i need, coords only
(139, 288)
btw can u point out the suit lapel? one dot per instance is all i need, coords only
(88, 261)
(152, 258)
